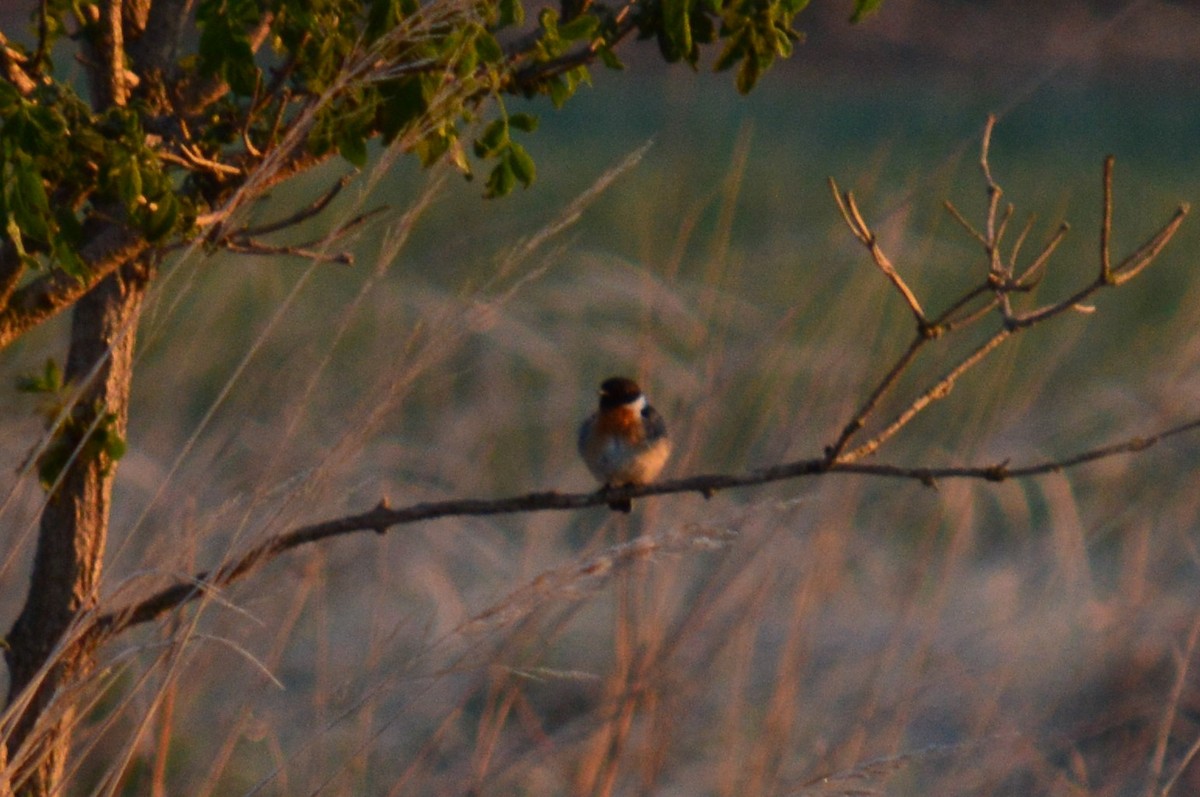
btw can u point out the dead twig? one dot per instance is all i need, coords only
(249, 246)
(304, 214)
(967, 310)
(854, 220)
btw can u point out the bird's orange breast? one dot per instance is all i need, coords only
(623, 423)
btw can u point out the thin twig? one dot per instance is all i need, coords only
(1044, 256)
(1129, 268)
(249, 246)
(957, 215)
(939, 390)
(304, 214)
(889, 380)
(1016, 247)
(1106, 222)
(858, 225)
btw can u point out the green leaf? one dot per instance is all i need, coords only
(129, 183)
(352, 145)
(382, 16)
(49, 381)
(85, 442)
(109, 440)
(66, 254)
(525, 122)
(224, 45)
(609, 58)
(579, 28)
(783, 45)
(511, 13)
(676, 39)
(748, 74)
(501, 181)
(28, 201)
(734, 51)
(160, 221)
(488, 49)
(864, 9)
(13, 230)
(402, 102)
(522, 165)
(494, 137)
(434, 146)
(548, 20)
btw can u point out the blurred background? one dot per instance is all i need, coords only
(836, 635)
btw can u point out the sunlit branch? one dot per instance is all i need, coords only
(304, 214)
(939, 390)
(383, 517)
(249, 246)
(854, 220)
(1127, 270)
(49, 294)
(964, 312)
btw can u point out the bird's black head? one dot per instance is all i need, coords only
(617, 391)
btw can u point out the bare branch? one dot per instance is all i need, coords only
(966, 225)
(889, 380)
(1016, 247)
(304, 214)
(1129, 268)
(1000, 282)
(1132, 265)
(1044, 256)
(939, 390)
(242, 243)
(854, 219)
(249, 246)
(993, 192)
(382, 518)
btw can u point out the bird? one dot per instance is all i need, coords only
(625, 440)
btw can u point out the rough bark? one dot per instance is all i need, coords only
(70, 550)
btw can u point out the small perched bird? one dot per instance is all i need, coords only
(625, 441)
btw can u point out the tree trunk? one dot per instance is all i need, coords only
(71, 540)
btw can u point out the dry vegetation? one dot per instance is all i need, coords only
(842, 635)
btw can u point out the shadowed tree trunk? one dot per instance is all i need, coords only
(71, 540)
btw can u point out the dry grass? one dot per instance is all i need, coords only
(836, 637)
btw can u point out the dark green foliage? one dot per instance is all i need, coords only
(58, 161)
(80, 437)
(514, 164)
(347, 71)
(225, 50)
(864, 9)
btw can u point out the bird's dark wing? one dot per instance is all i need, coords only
(656, 427)
(585, 431)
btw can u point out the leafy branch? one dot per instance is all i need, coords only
(170, 147)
